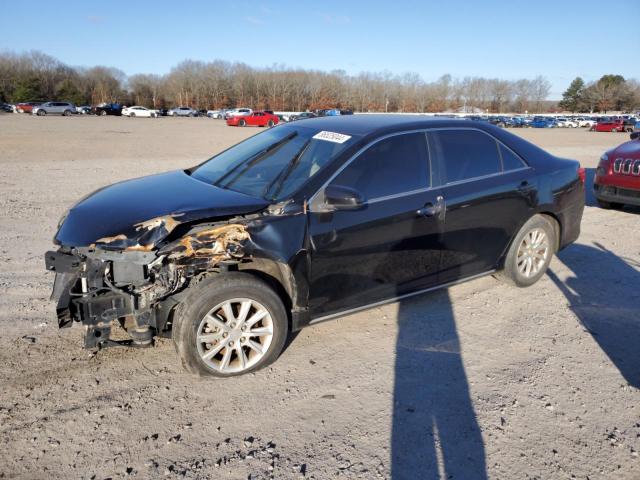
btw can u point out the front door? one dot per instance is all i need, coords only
(390, 246)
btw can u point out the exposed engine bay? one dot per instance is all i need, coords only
(134, 278)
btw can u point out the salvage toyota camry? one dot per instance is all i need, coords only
(305, 222)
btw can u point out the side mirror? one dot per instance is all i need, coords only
(343, 198)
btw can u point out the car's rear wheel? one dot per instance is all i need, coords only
(103, 113)
(42, 113)
(230, 324)
(608, 205)
(66, 113)
(530, 252)
(132, 114)
(242, 123)
(270, 123)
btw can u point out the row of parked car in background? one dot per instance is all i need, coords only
(244, 116)
(624, 123)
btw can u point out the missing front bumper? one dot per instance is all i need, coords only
(82, 295)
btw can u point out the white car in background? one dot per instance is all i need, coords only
(138, 111)
(585, 122)
(566, 122)
(238, 112)
(215, 113)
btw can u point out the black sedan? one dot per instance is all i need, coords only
(305, 222)
(302, 116)
(107, 109)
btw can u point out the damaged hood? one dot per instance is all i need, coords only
(139, 213)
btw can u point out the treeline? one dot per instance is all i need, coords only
(610, 92)
(218, 84)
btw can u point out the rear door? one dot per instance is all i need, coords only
(488, 191)
(390, 246)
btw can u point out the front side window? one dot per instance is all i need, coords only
(465, 154)
(392, 166)
(274, 164)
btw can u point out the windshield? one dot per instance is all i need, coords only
(273, 164)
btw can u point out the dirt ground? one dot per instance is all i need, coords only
(477, 381)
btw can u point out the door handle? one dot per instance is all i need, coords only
(429, 210)
(432, 209)
(525, 187)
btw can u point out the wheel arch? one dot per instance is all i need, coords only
(556, 224)
(551, 217)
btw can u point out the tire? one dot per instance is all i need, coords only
(66, 113)
(614, 130)
(132, 114)
(42, 113)
(242, 123)
(515, 266)
(103, 113)
(270, 123)
(608, 205)
(206, 299)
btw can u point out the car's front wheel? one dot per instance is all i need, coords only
(230, 324)
(530, 252)
(42, 113)
(242, 123)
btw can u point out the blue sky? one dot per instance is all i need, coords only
(508, 39)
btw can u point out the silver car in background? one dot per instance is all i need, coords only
(237, 112)
(54, 108)
(182, 112)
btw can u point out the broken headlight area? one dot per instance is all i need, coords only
(96, 287)
(137, 288)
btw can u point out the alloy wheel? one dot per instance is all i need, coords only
(532, 253)
(234, 335)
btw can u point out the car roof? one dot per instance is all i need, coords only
(364, 124)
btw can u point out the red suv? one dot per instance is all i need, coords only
(617, 180)
(613, 125)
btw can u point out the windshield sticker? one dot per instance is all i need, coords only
(332, 137)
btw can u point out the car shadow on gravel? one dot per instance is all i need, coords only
(603, 292)
(434, 422)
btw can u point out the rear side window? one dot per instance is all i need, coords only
(465, 154)
(510, 161)
(392, 166)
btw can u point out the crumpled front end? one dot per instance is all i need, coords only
(134, 279)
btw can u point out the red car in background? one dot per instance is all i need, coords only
(612, 125)
(257, 119)
(617, 180)
(26, 107)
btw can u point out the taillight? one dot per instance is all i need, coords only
(582, 173)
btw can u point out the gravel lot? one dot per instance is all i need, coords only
(478, 381)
